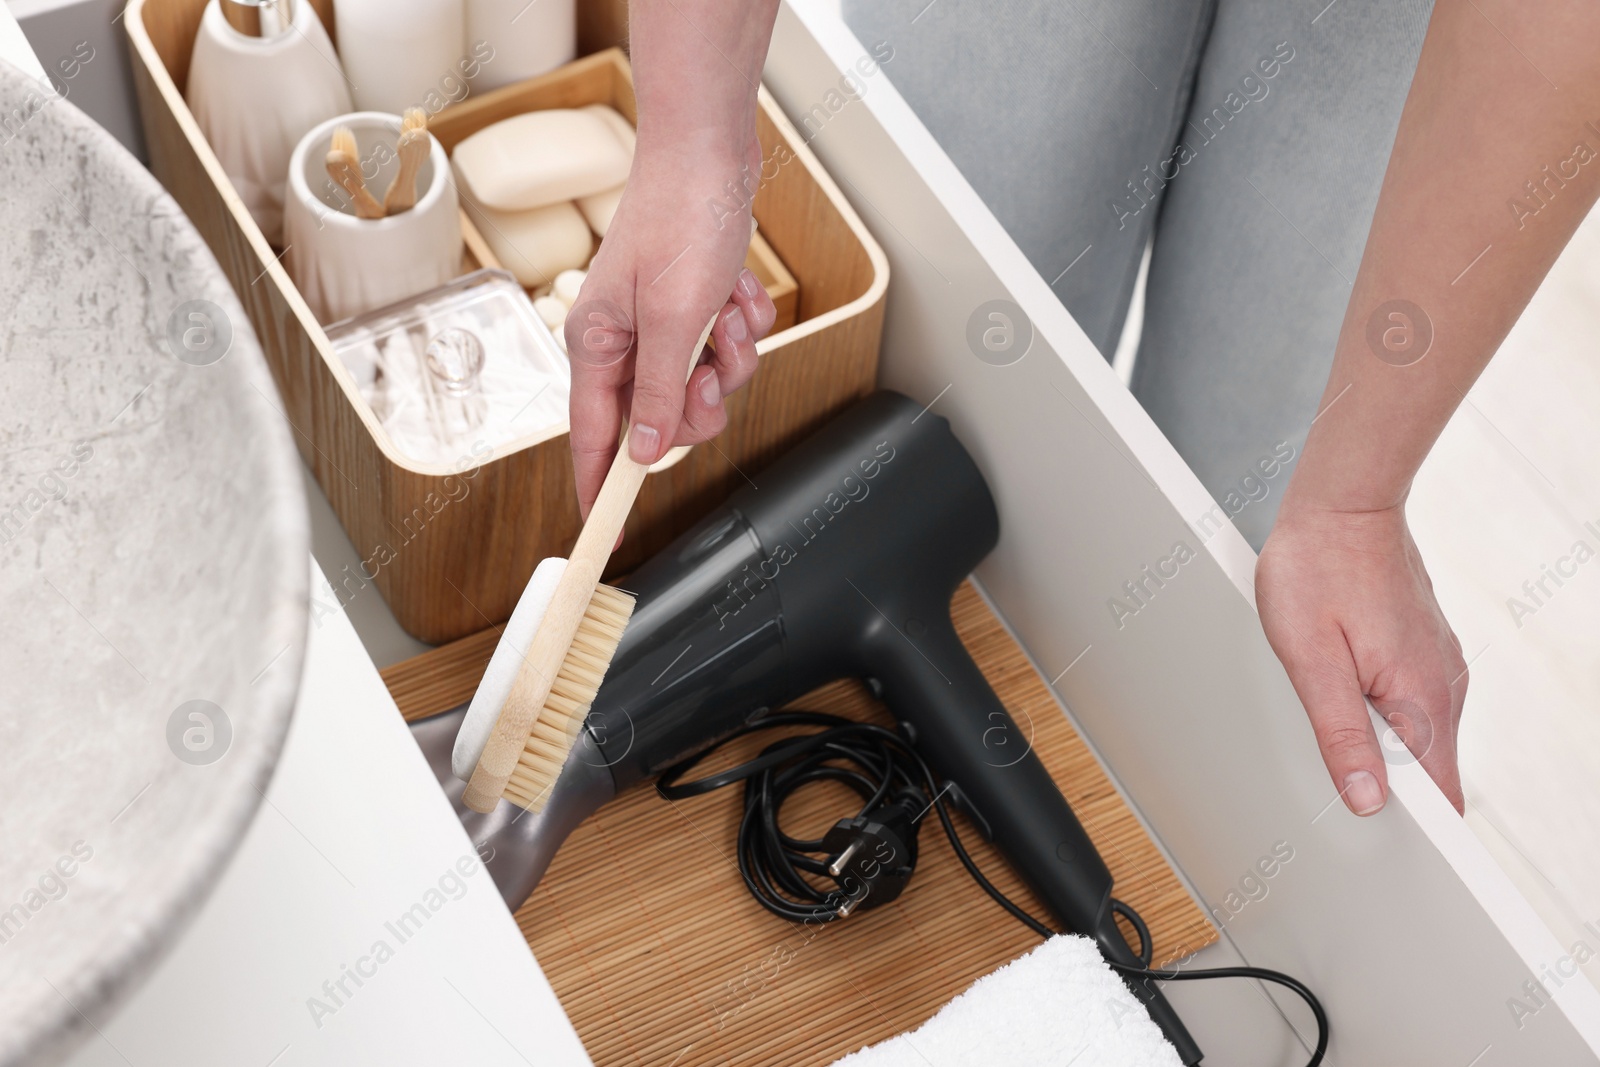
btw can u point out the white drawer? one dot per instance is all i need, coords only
(1413, 937)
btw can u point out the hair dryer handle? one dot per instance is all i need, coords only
(968, 738)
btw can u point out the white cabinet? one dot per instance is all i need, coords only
(354, 925)
(1418, 945)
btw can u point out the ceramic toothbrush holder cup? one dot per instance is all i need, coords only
(344, 265)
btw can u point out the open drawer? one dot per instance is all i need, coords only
(1413, 937)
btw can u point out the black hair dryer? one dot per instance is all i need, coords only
(840, 561)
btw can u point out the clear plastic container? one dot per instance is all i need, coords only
(452, 371)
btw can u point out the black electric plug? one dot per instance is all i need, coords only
(872, 855)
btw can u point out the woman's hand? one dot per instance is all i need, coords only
(674, 253)
(673, 257)
(1341, 589)
(1349, 609)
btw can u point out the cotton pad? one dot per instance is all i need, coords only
(567, 286)
(484, 711)
(540, 158)
(552, 311)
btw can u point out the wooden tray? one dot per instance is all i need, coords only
(659, 955)
(450, 550)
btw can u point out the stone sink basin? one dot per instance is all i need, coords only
(154, 570)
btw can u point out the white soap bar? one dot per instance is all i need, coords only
(539, 158)
(618, 125)
(566, 286)
(536, 245)
(552, 311)
(600, 208)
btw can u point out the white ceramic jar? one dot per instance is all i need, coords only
(522, 38)
(403, 53)
(344, 265)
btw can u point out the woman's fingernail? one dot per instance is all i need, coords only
(734, 326)
(710, 390)
(643, 442)
(748, 284)
(1363, 793)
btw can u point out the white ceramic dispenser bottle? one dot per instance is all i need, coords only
(403, 53)
(528, 37)
(262, 73)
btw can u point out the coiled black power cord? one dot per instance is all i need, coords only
(870, 857)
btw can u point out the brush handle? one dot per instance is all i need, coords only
(413, 149)
(347, 172)
(553, 639)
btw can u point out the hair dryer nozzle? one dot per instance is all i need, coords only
(516, 846)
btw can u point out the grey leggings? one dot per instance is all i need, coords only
(1247, 138)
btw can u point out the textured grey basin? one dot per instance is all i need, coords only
(153, 553)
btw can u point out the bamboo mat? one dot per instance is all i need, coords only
(645, 930)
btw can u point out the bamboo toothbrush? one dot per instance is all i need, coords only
(568, 656)
(344, 167)
(413, 149)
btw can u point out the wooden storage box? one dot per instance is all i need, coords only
(452, 550)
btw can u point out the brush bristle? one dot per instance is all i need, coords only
(558, 722)
(344, 142)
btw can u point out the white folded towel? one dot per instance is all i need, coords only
(1059, 1004)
